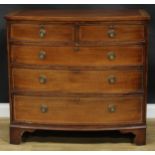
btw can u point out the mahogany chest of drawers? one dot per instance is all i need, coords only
(78, 70)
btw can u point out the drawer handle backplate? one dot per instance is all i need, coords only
(111, 33)
(111, 108)
(44, 108)
(42, 55)
(42, 32)
(111, 79)
(111, 55)
(42, 79)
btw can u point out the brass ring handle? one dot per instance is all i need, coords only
(111, 108)
(111, 33)
(112, 80)
(44, 108)
(42, 79)
(111, 56)
(42, 55)
(42, 32)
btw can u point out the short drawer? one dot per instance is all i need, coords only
(112, 33)
(85, 56)
(76, 110)
(78, 81)
(34, 32)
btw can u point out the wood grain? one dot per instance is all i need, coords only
(76, 81)
(85, 15)
(65, 110)
(85, 56)
(123, 33)
(30, 32)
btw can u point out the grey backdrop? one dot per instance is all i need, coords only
(4, 9)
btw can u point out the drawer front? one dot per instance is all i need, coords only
(69, 110)
(86, 56)
(115, 33)
(77, 81)
(32, 32)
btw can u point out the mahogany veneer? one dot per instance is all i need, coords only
(78, 70)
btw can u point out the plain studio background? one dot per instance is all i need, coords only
(4, 9)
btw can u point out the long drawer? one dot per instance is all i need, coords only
(85, 56)
(78, 81)
(71, 110)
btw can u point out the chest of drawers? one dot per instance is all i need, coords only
(78, 70)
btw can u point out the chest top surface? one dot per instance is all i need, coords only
(79, 15)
